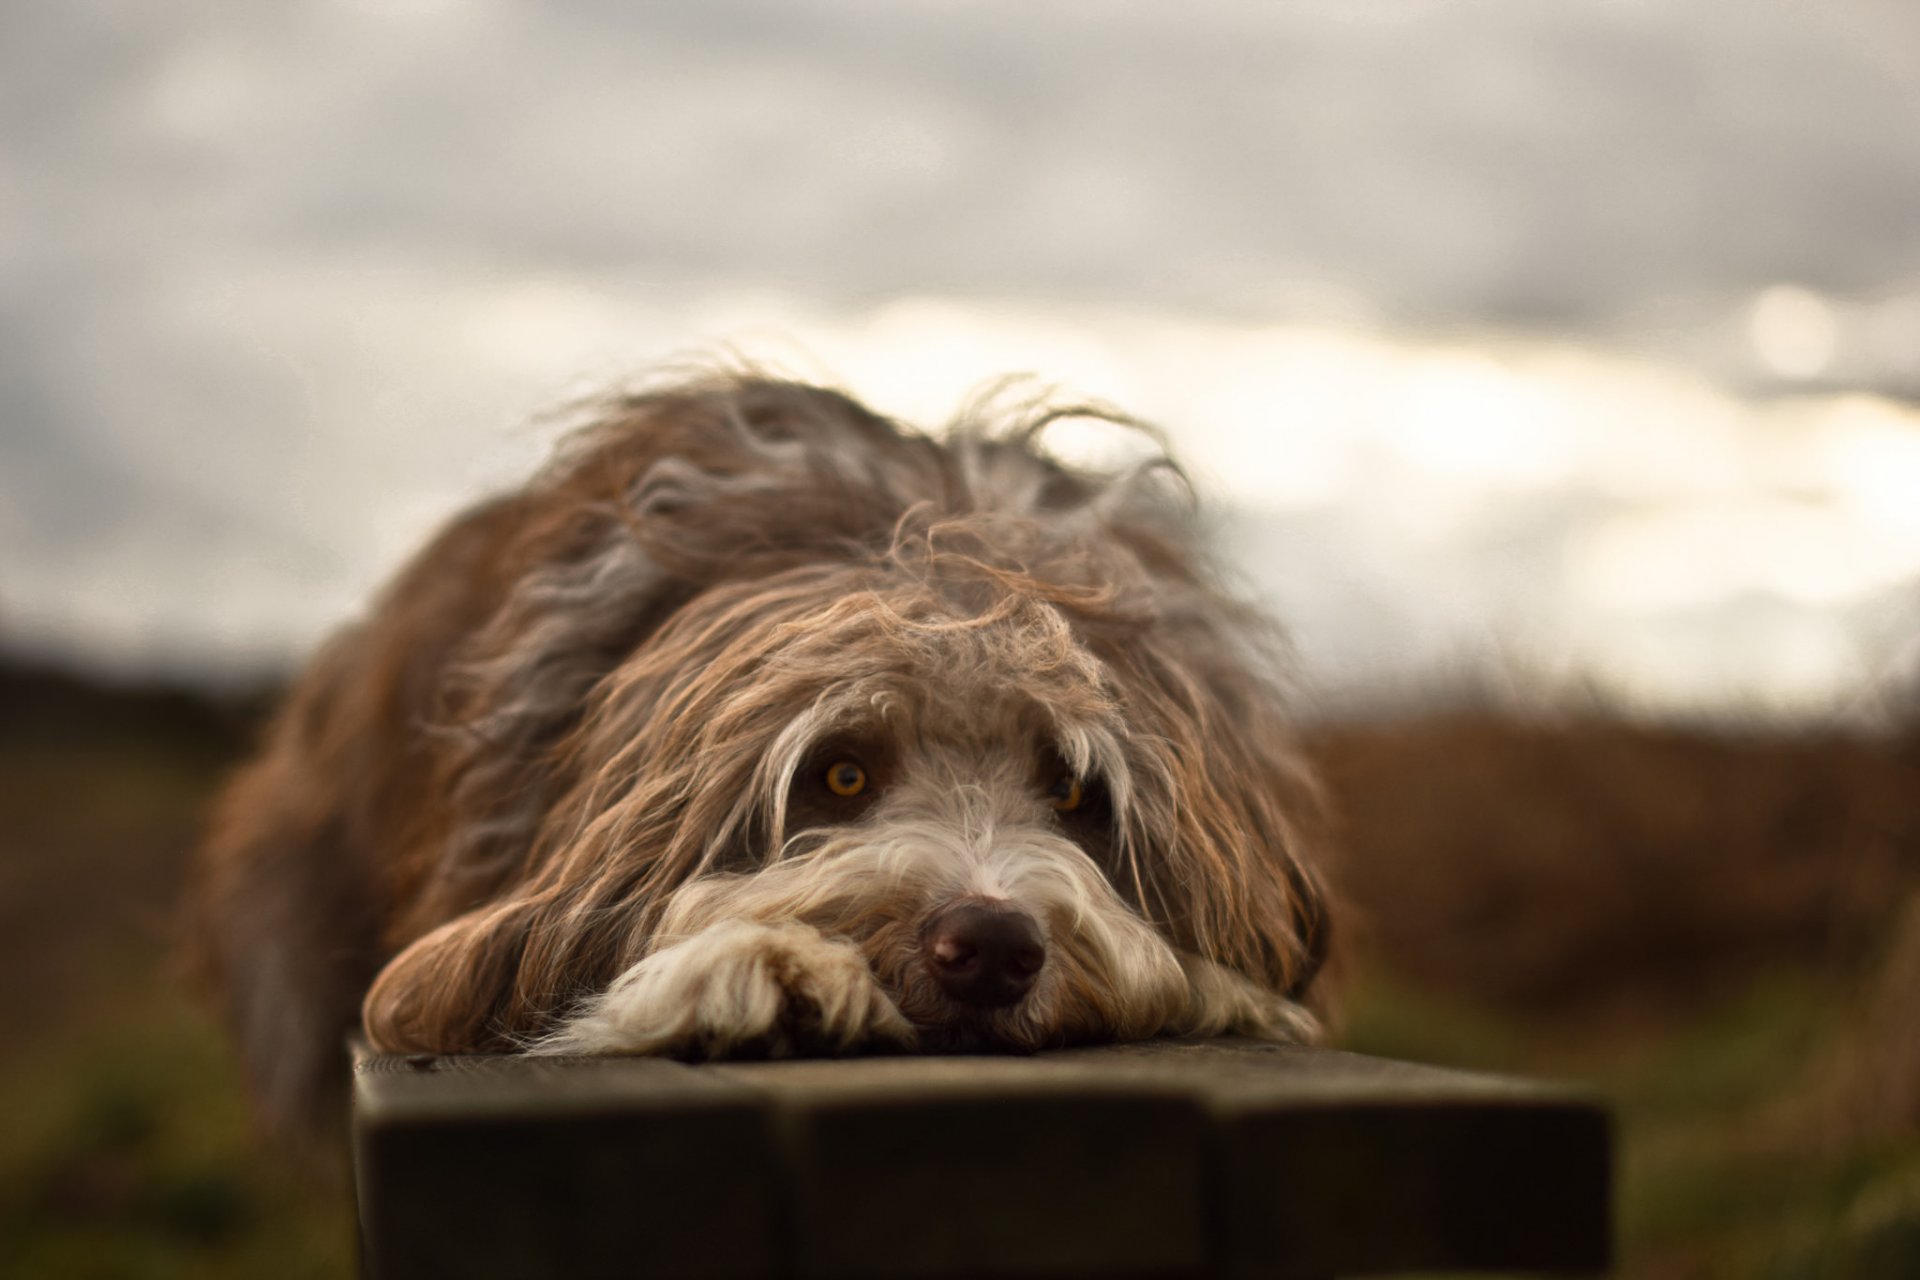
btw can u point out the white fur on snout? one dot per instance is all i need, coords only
(737, 983)
(1108, 972)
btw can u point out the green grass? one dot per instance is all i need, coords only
(129, 1154)
(126, 1151)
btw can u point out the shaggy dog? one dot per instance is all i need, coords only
(757, 724)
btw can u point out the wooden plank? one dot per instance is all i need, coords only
(985, 1166)
(1371, 1188)
(1169, 1158)
(524, 1167)
(1337, 1164)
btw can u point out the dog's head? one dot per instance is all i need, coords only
(979, 714)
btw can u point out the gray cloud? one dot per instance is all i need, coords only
(238, 245)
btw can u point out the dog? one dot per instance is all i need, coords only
(757, 724)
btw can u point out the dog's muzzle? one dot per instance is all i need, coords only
(983, 954)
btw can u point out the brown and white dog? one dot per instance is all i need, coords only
(757, 724)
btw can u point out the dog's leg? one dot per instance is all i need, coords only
(739, 988)
(1223, 1002)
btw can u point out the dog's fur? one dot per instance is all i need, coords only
(562, 791)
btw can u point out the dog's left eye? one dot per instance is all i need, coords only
(846, 778)
(1065, 794)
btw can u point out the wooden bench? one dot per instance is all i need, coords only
(1216, 1158)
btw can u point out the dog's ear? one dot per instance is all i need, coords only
(661, 783)
(1226, 820)
(284, 902)
(283, 934)
(452, 990)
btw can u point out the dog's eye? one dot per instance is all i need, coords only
(1065, 794)
(845, 778)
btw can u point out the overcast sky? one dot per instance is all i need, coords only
(1417, 282)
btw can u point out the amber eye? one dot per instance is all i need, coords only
(845, 778)
(1065, 794)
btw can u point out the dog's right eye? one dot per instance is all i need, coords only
(1065, 794)
(846, 778)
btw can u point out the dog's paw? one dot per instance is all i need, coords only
(1222, 1002)
(738, 990)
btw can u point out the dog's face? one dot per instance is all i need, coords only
(1014, 796)
(760, 725)
(951, 785)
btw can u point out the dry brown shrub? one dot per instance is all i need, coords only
(1544, 867)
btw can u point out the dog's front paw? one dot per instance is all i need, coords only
(739, 989)
(1223, 1002)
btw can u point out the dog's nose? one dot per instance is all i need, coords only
(984, 955)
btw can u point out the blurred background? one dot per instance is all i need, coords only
(1554, 371)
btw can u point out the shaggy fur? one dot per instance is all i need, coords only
(563, 790)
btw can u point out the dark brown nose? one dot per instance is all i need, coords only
(984, 955)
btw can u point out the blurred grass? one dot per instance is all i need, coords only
(130, 1156)
(127, 1150)
(1718, 1174)
(1707, 929)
